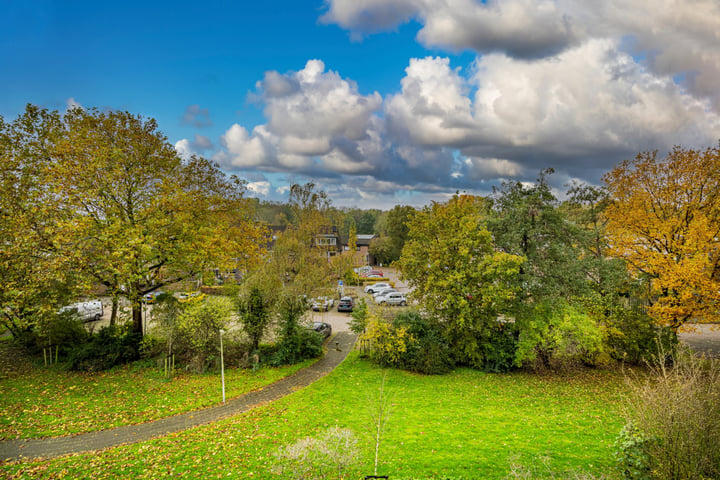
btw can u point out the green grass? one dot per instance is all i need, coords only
(40, 402)
(468, 425)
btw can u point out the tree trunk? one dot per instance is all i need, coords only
(113, 312)
(137, 317)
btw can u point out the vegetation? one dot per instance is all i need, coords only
(40, 402)
(673, 429)
(467, 424)
(664, 220)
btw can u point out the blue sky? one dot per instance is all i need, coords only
(381, 102)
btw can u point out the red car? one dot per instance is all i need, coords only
(374, 274)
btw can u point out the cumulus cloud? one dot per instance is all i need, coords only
(675, 39)
(567, 84)
(259, 188)
(523, 28)
(196, 116)
(314, 116)
(71, 104)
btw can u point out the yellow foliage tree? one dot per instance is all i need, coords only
(664, 220)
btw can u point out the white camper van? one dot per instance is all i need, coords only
(85, 311)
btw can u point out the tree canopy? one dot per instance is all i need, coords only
(664, 221)
(115, 203)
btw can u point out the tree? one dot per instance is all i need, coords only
(34, 279)
(121, 208)
(456, 273)
(393, 229)
(255, 316)
(526, 221)
(664, 221)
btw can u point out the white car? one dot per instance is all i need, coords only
(90, 311)
(393, 298)
(376, 287)
(322, 304)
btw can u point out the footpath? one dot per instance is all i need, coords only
(337, 349)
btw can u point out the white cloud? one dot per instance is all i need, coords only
(259, 188)
(183, 148)
(676, 38)
(71, 103)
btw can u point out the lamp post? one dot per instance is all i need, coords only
(222, 365)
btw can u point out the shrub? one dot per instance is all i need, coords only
(198, 330)
(328, 456)
(254, 316)
(633, 335)
(558, 335)
(631, 453)
(498, 345)
(678, 407)
(429, 353)
(409, 341)
(111, 346)
(296, 342)
(358, 324)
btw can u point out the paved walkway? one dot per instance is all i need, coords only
(338, 348)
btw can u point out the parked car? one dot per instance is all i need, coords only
(322, 328)
(188, 296)
(322, 304)
(363, 270)
(384, 291)
(376, 287)
(91, 311)
(373, 274)
(345, 304)
(393, 298)
(152, 297)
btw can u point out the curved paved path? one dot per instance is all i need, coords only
(338, 348)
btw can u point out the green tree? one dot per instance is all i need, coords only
(457, 275)
(254, 316)
(392, 228)
(527, 222)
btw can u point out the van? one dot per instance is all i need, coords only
(91, 311)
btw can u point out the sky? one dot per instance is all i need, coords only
(381, 102)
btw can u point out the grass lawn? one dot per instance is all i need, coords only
(40, 402)
(468, 425)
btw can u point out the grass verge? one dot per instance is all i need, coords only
(466, 425)
(42, 402)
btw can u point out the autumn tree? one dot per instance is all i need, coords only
(456, 273)
(34, 279)
(664, 220)
(113, 202)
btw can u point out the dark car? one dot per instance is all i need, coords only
(345, 304)
(324, 329)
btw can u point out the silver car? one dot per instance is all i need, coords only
(392, 298)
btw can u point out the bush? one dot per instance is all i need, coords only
(429, 353)
(359, 315)
(410, 342)
(678, 407)
(498, 346)
(198, 330)
(111, 346)
(296, 342)
(633, 335)
(558, 334)
(328, 456)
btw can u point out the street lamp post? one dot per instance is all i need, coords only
(222, 365)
